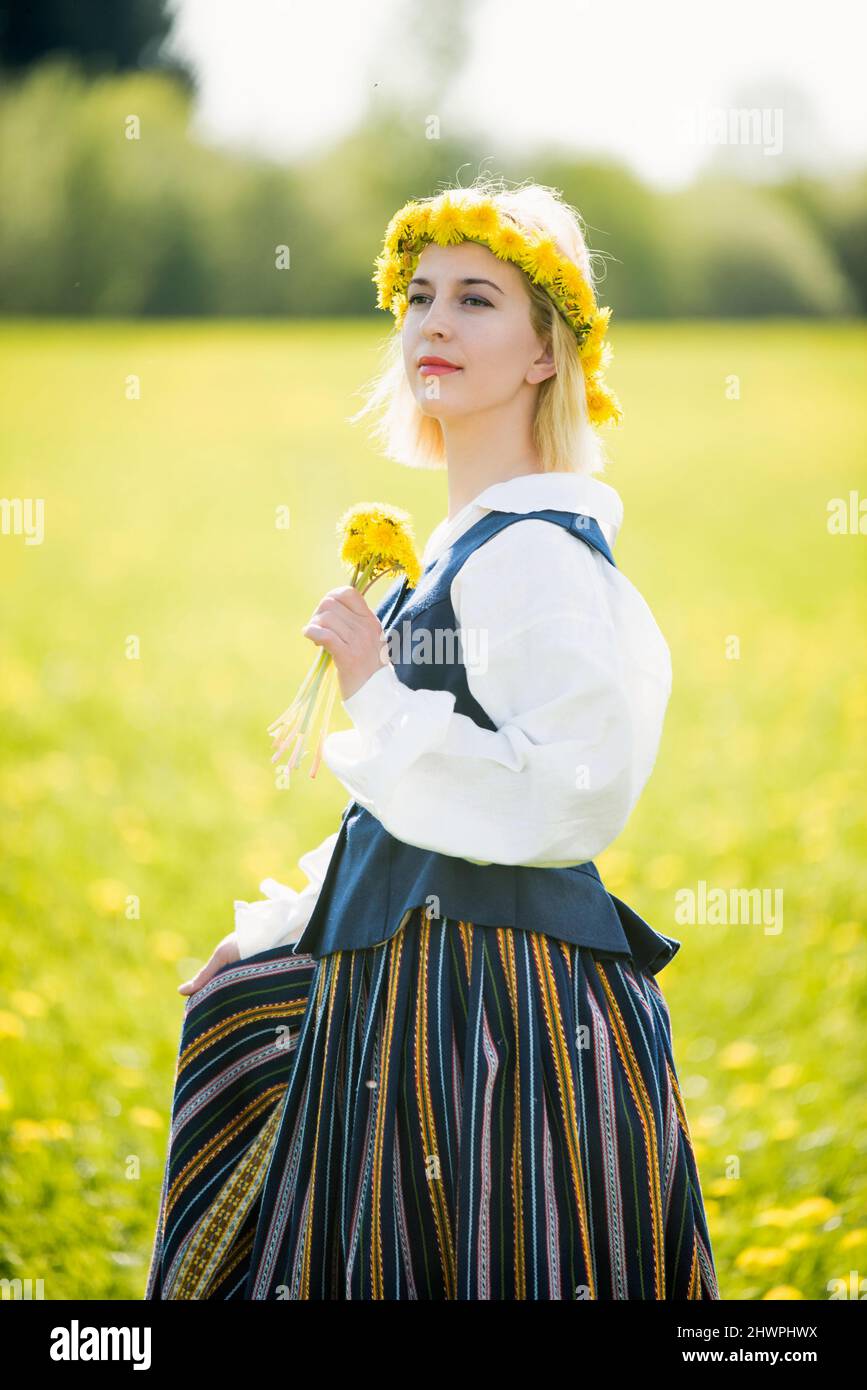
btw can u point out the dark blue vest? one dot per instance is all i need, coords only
(374, 879)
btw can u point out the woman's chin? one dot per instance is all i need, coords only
(438, 408)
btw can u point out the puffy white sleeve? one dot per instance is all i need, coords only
(550, 657)
(282, 916)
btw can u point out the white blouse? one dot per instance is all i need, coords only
(564, 655)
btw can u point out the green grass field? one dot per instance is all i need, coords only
(148, 777)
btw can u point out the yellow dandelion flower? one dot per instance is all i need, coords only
(57, 1129)
(507, 243)
(799, 1240)
(719, 1187)
(395, 229)
(756, 1258)
(602, 404)
(785, 1128)
(168, 945)
(106, 895)
(145, 1118)
(27, 1003)
(814, 1211)
(782, 1293)
(592, 345)
(377, 539)
(546, 257)
(416, 222)
(27, 1133)
(480, 220)
(747, 1096)
(738, 1054)
(444, 226)
(573, 280)
(787, 1074)
(775, 1216)
(385, 278)
(854, 1240)
(10, 1025)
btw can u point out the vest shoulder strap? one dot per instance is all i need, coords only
(436, 579)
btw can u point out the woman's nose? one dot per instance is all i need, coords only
(435, 323)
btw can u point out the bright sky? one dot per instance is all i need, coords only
(637, 80)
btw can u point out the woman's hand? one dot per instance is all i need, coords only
(352, 634)
(225, 952)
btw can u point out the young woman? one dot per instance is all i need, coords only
(444, 1070)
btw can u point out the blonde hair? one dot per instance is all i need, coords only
(566, 440)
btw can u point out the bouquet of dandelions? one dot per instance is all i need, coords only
(375, 540)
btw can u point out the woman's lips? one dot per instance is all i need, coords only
(437, 369)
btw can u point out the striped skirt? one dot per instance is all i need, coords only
(459, 1112)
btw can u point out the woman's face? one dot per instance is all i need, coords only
(471, 309)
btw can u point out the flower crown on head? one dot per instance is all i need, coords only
(446, 221)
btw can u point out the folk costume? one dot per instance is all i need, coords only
(444, 1069)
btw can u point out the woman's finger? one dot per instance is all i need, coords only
(202, 978)
(350, 599)
(223, 955)
(325, 637)
(334, 618)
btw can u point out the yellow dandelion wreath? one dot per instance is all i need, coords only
(446, 222)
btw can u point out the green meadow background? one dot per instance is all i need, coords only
(149, 777)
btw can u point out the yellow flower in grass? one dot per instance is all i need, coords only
(738, 1054)
(785, 1075)
(814, 1211)
(27, 1003)
(375, 540)
(774, 1216)
(146, 1118)
(719, 1187)
(28, 1134)
(854, 1240)
(757, 1258)
(799, 1240)
(749, 1095)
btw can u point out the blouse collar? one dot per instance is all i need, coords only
(531, 492)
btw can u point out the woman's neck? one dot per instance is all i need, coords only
(465, 483)
(486, 448)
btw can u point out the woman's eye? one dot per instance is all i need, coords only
(414, 298)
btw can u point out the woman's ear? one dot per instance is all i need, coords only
(543, 367)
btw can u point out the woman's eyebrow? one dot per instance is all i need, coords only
(469, 280)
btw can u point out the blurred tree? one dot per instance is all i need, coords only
(103, 36)
(737, 250)
(837, 207)
(102, 220)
